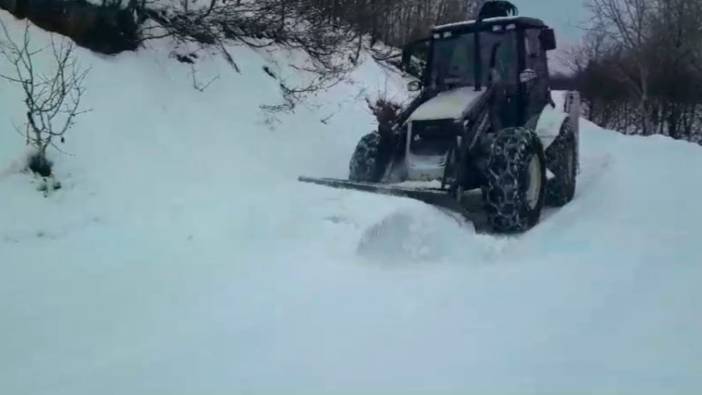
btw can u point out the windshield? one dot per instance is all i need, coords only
(453, 60)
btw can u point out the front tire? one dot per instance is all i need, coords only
(515, 181)
(369, 160)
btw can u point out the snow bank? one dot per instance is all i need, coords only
(181, 257)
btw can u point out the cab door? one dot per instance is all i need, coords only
(499, 53)
(535, 76)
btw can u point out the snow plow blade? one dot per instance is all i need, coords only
(434, 196)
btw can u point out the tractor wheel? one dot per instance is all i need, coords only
(369, 159)
(516, 181)
(562, 161)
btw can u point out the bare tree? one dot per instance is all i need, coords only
(627, 24)
(52, 99)
(639, 70)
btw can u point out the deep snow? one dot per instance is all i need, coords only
(182, 257)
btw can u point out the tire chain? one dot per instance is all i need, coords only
(502, 196)
(364, 162)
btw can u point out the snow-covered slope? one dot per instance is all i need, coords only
(181, 257)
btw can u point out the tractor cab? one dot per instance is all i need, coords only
(507, 52)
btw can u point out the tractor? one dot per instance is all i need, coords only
(483, 120)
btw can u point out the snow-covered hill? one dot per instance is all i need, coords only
(182, 257)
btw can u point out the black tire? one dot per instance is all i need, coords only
(515, 181)
(562, 161)
(369, 159)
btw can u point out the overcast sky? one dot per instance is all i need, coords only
(563, 15)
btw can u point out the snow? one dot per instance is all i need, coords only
(447, 105)
(467, 23)
(549, 123)
(181, 257)
(473, 21)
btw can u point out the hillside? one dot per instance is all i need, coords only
(182, 257)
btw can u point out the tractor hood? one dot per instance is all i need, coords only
(453, 104)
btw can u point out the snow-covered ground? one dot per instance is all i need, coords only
(182, 257)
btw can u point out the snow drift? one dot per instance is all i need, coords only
(181, 257)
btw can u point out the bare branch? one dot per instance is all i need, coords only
(52, 99)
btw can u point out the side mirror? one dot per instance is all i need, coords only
(414, 86)
(414, 57)
(548, 39)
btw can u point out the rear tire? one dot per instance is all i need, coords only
(369, 160)
(562, 161)
(516, 181)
